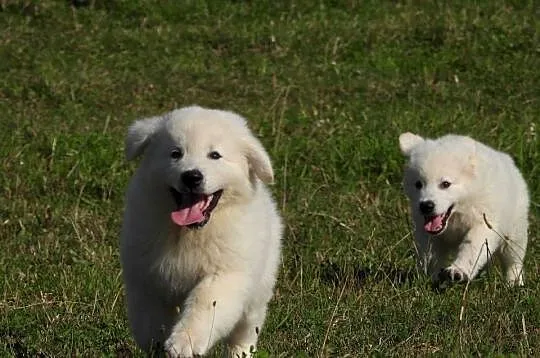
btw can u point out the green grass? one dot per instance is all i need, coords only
(328, 87)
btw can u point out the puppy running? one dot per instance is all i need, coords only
(468, 202)
(201, 234)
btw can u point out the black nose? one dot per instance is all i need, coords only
(192, 178)
(426, 207)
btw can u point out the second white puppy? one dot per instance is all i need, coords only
(201, 234)
(468, 202)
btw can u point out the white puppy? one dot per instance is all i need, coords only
(201, 234)
(468, 201)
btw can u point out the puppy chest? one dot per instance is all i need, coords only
(192, 257)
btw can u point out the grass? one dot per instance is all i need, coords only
(328, 86)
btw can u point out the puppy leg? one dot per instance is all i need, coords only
(512, 255)
(430, 255)
(243, 340)
(149, 319)
(473, 253)
(210, 313)
(441, 251)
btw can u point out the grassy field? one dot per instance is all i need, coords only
(328, 87)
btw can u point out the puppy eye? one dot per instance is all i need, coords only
(177, 153)
(418, 185)
(445, 184)
(214, 155)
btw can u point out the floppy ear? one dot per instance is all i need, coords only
(407, 141)
(259, 161)
(139, 135)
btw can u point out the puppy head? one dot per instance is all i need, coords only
(206, 159)
(439, 178)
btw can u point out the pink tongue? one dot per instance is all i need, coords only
(191, 215)
(434, 223)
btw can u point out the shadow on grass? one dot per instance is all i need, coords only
(335, 274)
(15, 344)
(123, 351)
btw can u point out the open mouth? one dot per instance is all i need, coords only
(193, 210)
(436, 224)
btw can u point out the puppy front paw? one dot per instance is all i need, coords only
(452, 274)
(241, 351)
(179, 345)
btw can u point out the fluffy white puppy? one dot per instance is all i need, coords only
(468, 201)
(201, 235)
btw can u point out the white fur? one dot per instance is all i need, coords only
(189, 288)
(484, 183)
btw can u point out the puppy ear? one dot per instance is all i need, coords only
(259, 161)
(407, 141)
(473, 158)
(139, 135)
